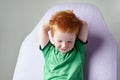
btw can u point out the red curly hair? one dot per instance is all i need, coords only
(65, 21)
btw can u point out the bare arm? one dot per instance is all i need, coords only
(83, 35)
(44, 38)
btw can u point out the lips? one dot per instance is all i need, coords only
(63, 49)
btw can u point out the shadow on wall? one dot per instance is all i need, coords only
(94, 43)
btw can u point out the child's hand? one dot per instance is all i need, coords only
(84, 23)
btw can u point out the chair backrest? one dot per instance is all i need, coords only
(100, 63)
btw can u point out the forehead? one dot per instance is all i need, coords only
(64, 35)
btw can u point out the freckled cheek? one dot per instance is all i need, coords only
(57, 45)
(71, 45)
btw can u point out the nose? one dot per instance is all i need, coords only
(64, 45)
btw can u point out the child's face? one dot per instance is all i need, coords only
(64, 42)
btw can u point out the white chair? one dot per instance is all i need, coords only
(101, 53)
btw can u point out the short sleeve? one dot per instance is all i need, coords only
(46, 48)
(81, 45)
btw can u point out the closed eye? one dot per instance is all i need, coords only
(69, 41)
(59, 40)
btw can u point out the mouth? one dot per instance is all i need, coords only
(63, 49)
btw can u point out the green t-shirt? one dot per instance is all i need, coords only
(64, 66)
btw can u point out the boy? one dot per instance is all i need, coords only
(64, 59)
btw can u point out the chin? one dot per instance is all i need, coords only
(63, 51)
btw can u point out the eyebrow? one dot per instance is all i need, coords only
(71, 39)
